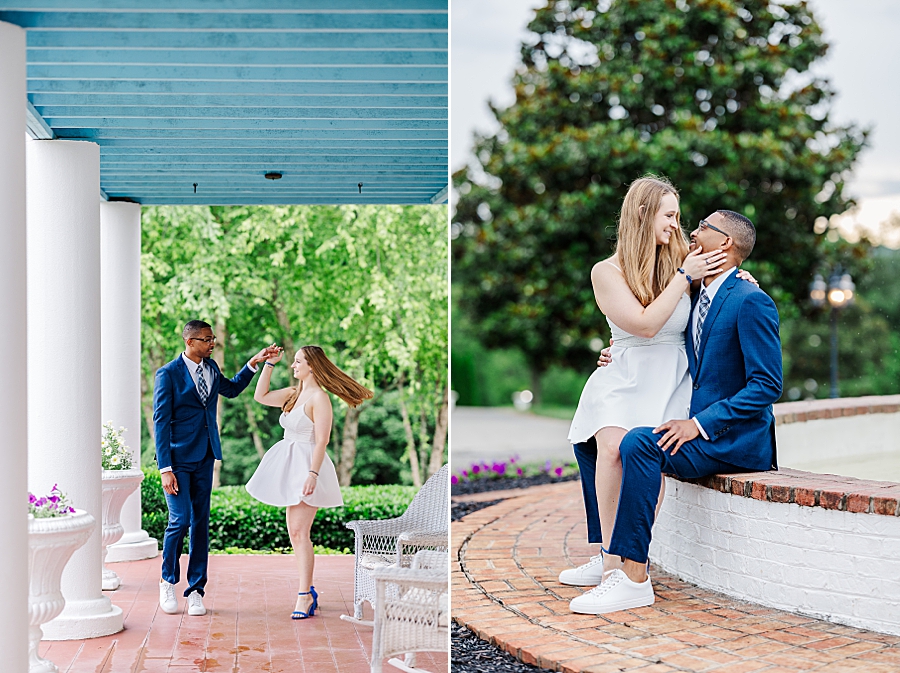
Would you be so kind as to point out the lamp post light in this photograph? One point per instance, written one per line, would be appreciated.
(839, 293)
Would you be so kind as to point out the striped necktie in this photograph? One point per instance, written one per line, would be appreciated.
(702, 309)
(201, 384)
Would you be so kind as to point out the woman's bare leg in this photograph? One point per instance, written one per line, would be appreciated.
(299, 522)
(609, 483)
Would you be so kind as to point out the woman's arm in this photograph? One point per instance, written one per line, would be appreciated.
(322, 417)
(619, 304)
(271, 398)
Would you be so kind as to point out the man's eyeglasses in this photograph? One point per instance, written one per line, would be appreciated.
(208, 340)
(706, 225)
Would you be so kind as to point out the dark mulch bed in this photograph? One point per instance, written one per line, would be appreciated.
(502, 483)
(470, 654)
(461, 509)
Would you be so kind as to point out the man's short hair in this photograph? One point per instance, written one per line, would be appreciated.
(742, 231)
(193, 329)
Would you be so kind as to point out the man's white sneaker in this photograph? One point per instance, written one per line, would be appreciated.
(195, 604)
(616, 593)
(588, 575)
(167, 600)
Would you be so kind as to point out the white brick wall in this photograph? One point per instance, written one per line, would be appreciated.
(833, 565)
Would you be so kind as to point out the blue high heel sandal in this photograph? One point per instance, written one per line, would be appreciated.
(299, 614)
(312, 590)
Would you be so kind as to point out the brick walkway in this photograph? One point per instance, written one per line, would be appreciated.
(505, 589)
(247, 627)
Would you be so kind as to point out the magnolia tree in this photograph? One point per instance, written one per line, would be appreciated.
(717, 95)
(368, 284)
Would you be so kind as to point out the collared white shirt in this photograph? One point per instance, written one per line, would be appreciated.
(711, 291)
(192, 368)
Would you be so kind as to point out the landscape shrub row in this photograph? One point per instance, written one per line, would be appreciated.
(237, 520)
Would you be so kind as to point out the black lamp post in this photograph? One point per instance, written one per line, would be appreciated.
(839, 295)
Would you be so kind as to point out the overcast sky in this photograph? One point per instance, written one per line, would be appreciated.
(863, 64)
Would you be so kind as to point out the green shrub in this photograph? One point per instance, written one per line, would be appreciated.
(237, 520)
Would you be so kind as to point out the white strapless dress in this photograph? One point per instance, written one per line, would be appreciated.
(646, 384)
(280, 476)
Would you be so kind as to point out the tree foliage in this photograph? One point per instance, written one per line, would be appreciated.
(715, 94)
(368, 284)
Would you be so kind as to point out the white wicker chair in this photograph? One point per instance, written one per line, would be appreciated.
(412, 610)
(386, 542)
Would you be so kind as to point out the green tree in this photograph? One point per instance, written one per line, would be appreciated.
(369, 284)
(715, 94)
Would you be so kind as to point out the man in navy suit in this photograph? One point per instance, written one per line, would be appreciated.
(734, 355)
(185, 398)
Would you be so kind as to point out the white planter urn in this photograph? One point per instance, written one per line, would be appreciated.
(117, 486)
(51, 543)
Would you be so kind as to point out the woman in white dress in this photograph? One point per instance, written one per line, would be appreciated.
(296, 473)
(644, 291)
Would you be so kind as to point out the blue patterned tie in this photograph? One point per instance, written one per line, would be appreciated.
(702, 309)
(201, 384)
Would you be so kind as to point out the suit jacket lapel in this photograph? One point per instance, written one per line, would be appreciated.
(189, 379)
(714, 308)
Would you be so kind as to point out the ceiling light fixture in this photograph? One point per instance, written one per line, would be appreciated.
(273, 176)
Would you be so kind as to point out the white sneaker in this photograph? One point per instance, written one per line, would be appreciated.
(195, 604)
(588, 575)
(167, 600)
(616, 593)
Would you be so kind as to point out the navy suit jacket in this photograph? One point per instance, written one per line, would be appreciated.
(185, 427)
(737, 375)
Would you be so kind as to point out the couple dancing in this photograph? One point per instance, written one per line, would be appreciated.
(295, 473)
(686, 387)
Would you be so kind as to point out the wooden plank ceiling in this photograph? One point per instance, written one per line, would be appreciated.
(328, 93)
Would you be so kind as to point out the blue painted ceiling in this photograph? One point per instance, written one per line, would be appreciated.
(220, 92)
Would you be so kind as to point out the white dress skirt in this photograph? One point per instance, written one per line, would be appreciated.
(280, 476)
(646, 384)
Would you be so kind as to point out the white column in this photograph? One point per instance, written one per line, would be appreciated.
(120, 359)
(13, 342)
(64, 424)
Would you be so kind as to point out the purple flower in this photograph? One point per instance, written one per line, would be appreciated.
(454, 479)
(475, 469)
(32, 498)
(548, 466)
(519, 471)
(558, 471)
(465, 474)
(54, 498)
(500, 468)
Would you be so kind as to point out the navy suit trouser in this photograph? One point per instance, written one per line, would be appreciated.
(586, 455)
(189, 511)
(643, 464)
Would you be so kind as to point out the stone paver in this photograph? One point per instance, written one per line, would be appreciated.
(505, 589)
(247, 627)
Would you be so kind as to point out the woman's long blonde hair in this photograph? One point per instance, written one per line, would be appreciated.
(330, 378)
(648, 267)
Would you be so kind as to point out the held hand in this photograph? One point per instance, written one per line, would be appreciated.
(169, 483)
(264, 354)
(309, 485)
(676, 434)
(699, 264)
(605, 357)
(275, 354)
(745, 275)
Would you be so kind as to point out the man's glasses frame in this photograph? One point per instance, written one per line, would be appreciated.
(706, 225)
(207, 340)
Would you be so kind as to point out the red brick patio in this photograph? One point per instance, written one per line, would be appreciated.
(247, 627)
(505, 589)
